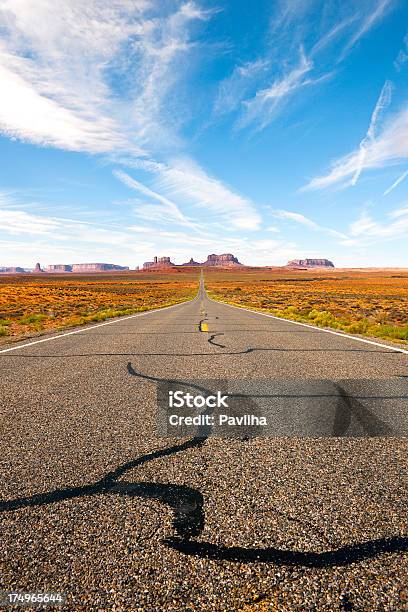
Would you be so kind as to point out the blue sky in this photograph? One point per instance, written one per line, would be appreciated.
(273, 130)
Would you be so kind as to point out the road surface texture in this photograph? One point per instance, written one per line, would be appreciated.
(96, 506)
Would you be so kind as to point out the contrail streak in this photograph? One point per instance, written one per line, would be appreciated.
(396, 183)
(382, 103)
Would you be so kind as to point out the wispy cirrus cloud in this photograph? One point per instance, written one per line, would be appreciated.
(233, 89)
(380, 107)
(21, 222)
(27, 236)
(402, 57)
(333, 33)
(296, 217)
(90, 77)
(395, 184)
(366, 230)
(306, 222)
(185, 182)
(368, 20)
(261, 88)
(264, 105)
(165, 211)
(389, 147)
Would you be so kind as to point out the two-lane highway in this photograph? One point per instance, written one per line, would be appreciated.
(97, 506)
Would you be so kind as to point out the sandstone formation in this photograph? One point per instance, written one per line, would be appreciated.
(310, 263)
(58, 268)
(158, 263)
(224, 260)
(37, 268)
(97, 267)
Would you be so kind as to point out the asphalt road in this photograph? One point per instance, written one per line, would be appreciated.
(99, 507)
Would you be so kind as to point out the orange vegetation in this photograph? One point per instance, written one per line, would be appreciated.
(35, 304)
(369, 302)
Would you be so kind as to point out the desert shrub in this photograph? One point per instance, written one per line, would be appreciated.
(368, 303)
(28, 305)
(32, 318)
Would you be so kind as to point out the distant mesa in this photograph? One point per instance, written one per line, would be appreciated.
(310, 263)
(12, 270)
(37, 269)
(97, 267)
(158, 263)
(224, 260)
(84, 267)
(58, 268)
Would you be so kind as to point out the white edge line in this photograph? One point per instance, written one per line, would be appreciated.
(328, 331)
(85, 329)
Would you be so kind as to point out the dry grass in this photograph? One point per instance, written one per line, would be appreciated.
(30, 305)
(372, 303)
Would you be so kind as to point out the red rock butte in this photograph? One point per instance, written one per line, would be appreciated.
(310, 263)
(226, 260)
(158, 263)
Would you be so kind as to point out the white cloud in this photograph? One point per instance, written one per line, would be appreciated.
(332, 34)
(396, 183)
(265, 103)
(363, 225)
(233, 89)
(141, 229)
(297, 217)
(302, 220)
(382, 103)
(390, 147)
(20, 222)
(402, 57)
(260, 88)
(399, 212)
(167, 210)
(50, 238)
(161, 64)
(367, 23)
(365, 228)
(266, 252)
(187, 183)
(29, 116)
(89, 76)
